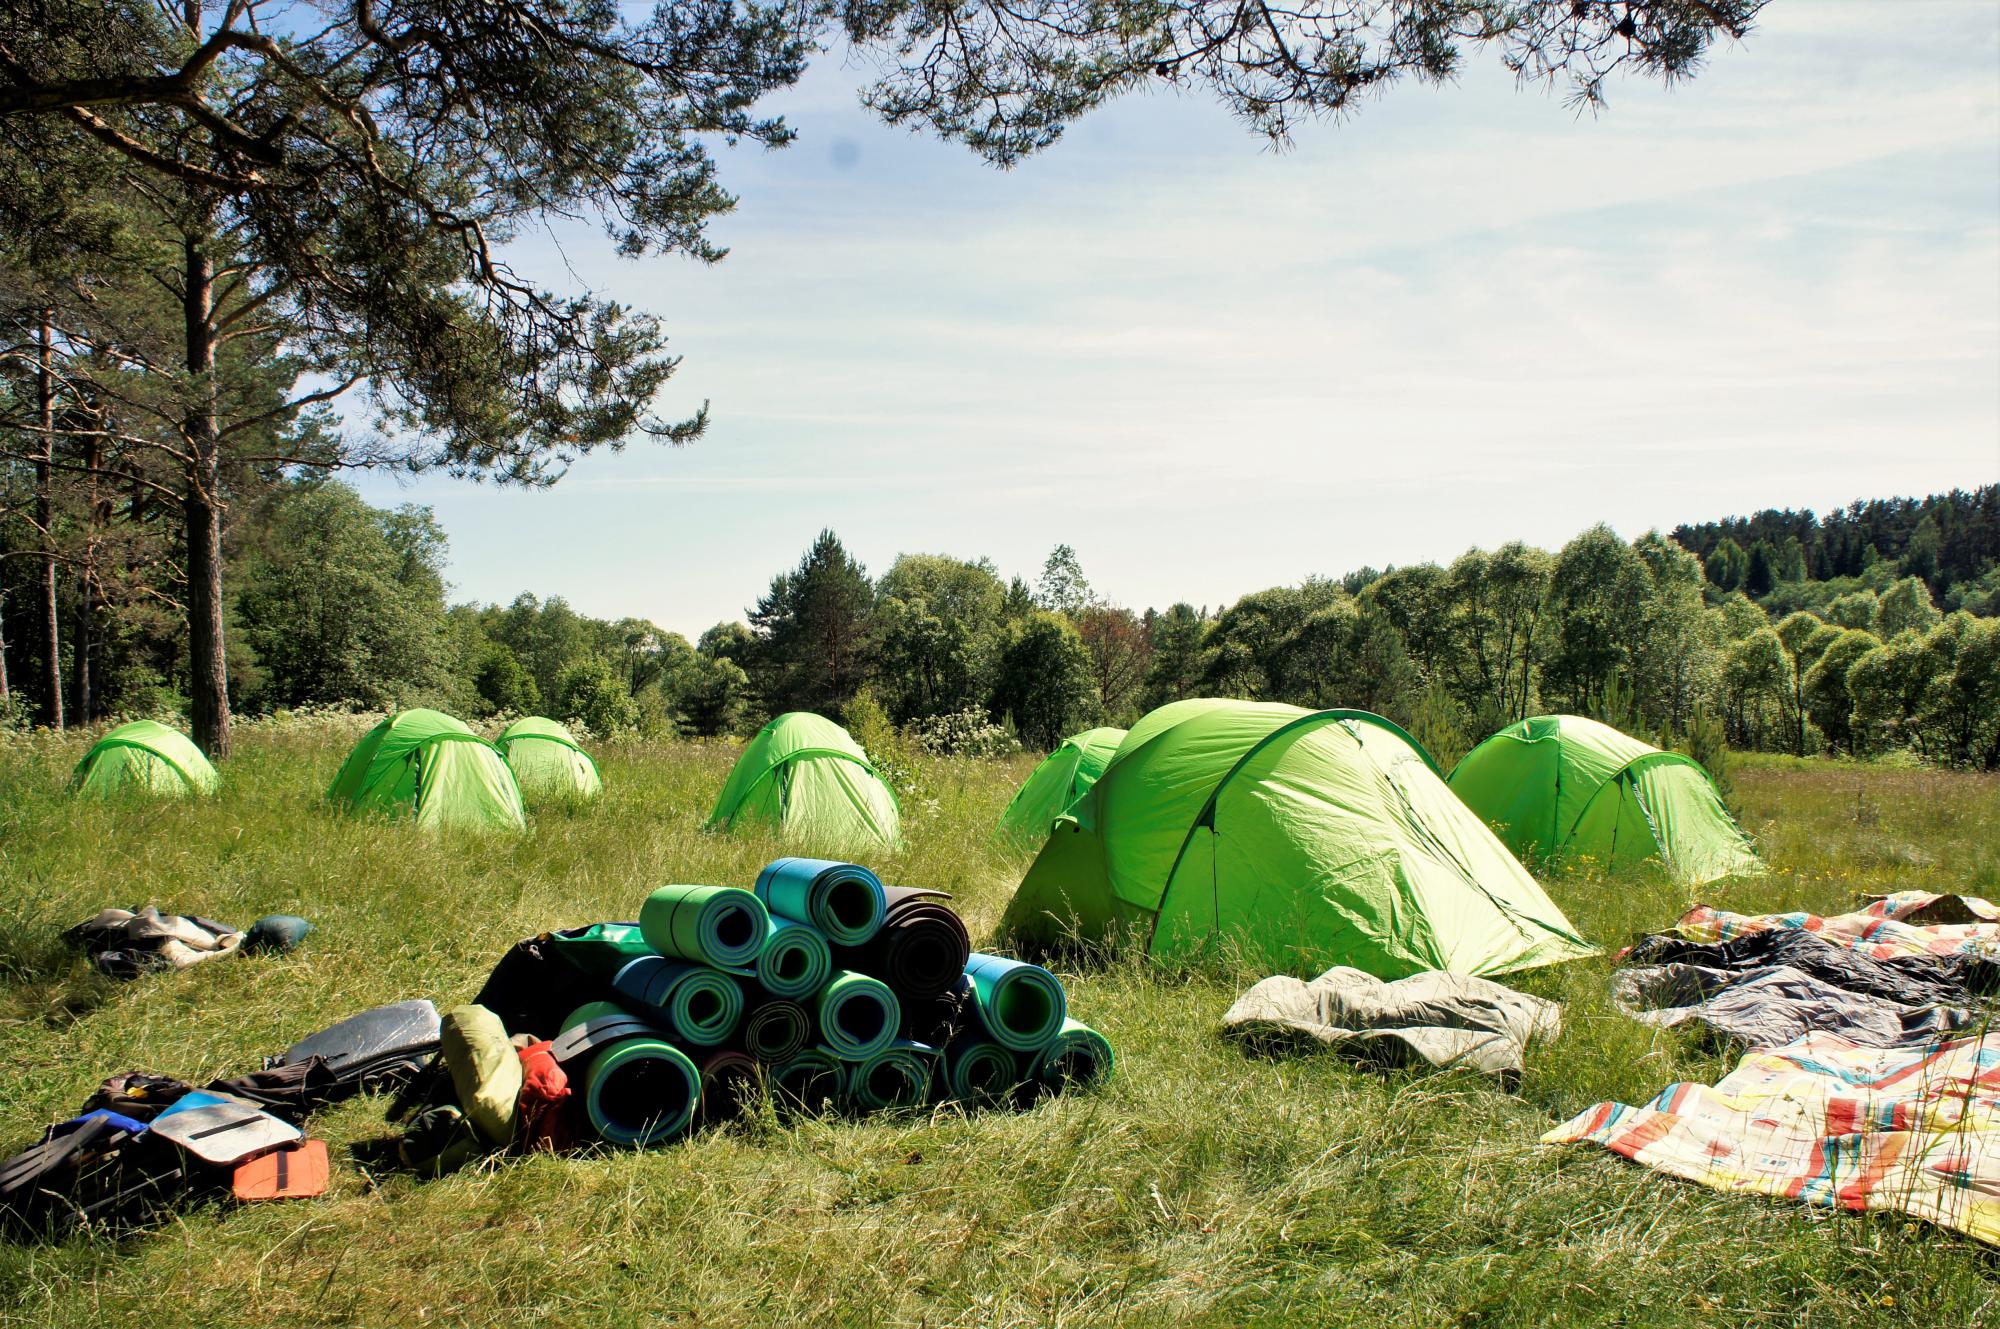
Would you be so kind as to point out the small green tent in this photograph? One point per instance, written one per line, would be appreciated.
(1064, 776)
(1561, 783)
(1310, 838)
(148, 757)
(806, 776)
(429, 765)
(547, 760)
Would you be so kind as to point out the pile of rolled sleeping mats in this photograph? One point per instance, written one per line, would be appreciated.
(823, 986)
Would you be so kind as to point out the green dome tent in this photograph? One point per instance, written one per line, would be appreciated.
(1064, 776)
(430, 765)
(148, 757)
(804, 775)
(547, 760)
(1311, 838)
(1561, 783)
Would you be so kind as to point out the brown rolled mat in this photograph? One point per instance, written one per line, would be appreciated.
(920, 950)
(730, 1081)
(937, 1020)
(776, 1030)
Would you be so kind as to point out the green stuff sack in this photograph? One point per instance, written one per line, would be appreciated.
(485, 1070)
(857, 1016)
(1021, 1006)
(713, 925)
(899, 1076)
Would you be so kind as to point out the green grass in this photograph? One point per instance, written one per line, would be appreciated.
(1203, 1186)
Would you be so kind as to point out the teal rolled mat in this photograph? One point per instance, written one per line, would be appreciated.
(699, 1005)
(637, 1091)
(776, 1030)
(1078, 1057)
(813, 1081)
(795, 961)
(899, 1076)
(1020, 1006)
(857, 1016)
(843, 900)
(713, 925)
(978, 1070)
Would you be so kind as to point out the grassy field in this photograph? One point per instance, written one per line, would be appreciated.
(1201, 1187)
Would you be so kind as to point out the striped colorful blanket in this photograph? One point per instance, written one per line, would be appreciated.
(1895, 925)
(1831, 1124)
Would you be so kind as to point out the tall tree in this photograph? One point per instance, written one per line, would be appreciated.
(812, 628)
(1179, 637)
(1044, 680)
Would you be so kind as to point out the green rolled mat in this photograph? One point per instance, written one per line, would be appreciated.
(699, 1005)
(1078, 1057)
(730, 1082)
(776, 1030)
(713, 925)
(638, 1091)
(794, 961)
(1021, 1006)
(843, 900)
(813, 1081)
(978, 1070)
(857, 1016)
(899, 1076)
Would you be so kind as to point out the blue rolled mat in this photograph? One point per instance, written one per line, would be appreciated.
(899, 1076)
(698, 1005)
(857, 1016)
(1078, 1057)
(812, 1081)
(844, 901)
(978, 1070)
(1021, 1006)
(713, 925)
(795, 961)
(637, 1091)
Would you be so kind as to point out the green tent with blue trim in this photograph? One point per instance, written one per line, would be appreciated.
(430, 767)
(1565, 785)
(1063, 777)
(1304, 838)
(144, 757)
(806, 778)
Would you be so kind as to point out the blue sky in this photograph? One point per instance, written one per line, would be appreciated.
(1464, 316)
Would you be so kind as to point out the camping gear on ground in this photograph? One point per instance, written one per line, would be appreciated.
(123, 943)
(1078, 1055)
(776, 1030)
(221, 1131)
(543, 1122)
(547, 761)
(292, 1091)
(978, 1070)
(535, 984)
(144, 757)
(845, 901)
(811, 1082)
(433, 768)
(1886, 928)
(1564, 785)
(277, 933)
(795, 960)
(485, 1070)
(1443, 1019)
(729, 1083)
(857, 1016)
(1055, 785)
(375, 1047)
(94, 1170)
(696, 1003)
(1020, 1006)
(293, 1172)
(806, 778)
(713, 925)
(439, 1141)
(921, 948)
(1823, 1121)
(638, 1090)
(1302, 837)
(898, 1076)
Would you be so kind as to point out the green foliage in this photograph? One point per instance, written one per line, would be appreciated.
(1045, 681)
(1906, 607)
(591, 697)
(1180, 638)
(1439, 725)
(1706, 740)
(1828, 702)
(812, 632)
(936, 623)
(968, 733)
(1063, 589)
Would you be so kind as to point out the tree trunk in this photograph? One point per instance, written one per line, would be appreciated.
(83, 639)
(208, 683)
(6, 692)
(45, 517)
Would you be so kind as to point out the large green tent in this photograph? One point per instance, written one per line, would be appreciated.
(1064, 776)
(807, 777)
(428, 765)
(147, 757)
(547, 760)
(1309, 838)
(1563, 784)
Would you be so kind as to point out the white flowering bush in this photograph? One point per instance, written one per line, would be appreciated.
(967, 733)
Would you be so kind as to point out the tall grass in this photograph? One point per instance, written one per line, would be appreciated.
(1202, 1186)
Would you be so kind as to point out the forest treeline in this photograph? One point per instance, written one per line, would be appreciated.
(1869, 630)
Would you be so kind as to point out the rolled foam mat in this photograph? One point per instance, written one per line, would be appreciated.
(698, 1005)
(1021, 1006)
(843, 900)
(813, 1081)
(939, 1020)
(978, 1070)
(794, 961)
(713, 925)
(729, 1084)
(776, 1030)
(921, 949)
(899, 1076)
(857, 1016)
(1078, 1057)
(637, 1091)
